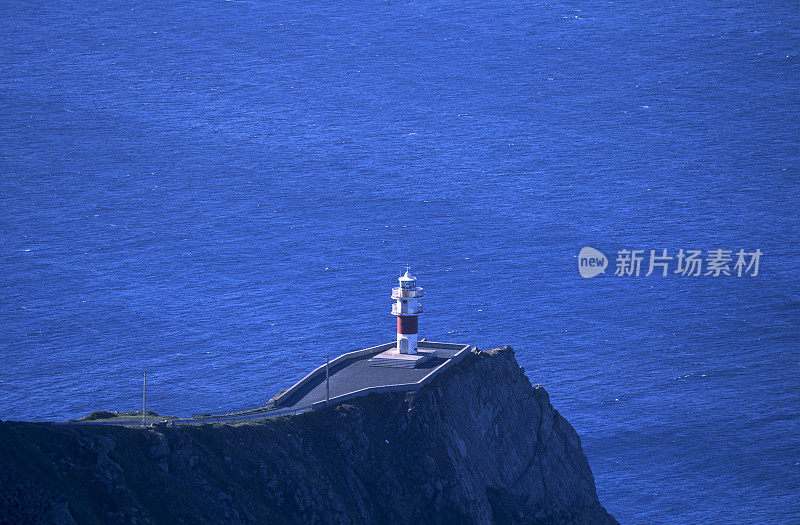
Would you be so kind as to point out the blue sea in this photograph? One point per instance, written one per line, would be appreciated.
(221, 193)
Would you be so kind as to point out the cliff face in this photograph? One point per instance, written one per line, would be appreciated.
(477, 445)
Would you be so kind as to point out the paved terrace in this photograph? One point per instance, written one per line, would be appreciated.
(357, 375)
(352, 375)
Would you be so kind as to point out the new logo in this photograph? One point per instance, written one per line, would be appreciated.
(591, 262)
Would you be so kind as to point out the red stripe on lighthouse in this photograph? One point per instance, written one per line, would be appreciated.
(407, 324)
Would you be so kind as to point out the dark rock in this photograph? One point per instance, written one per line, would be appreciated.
(477, 445)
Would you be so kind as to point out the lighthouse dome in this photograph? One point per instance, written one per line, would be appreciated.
(407, 281)
(407, 277)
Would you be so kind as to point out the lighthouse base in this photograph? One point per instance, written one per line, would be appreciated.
(395, 359)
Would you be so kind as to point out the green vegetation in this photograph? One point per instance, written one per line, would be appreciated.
(207, 415)
(105, 416)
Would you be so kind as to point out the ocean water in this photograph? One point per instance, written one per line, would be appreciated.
(220, 193)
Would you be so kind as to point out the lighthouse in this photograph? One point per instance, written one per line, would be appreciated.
(407, 309)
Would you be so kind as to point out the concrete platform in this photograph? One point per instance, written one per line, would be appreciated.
(395, 359)
(352, 375)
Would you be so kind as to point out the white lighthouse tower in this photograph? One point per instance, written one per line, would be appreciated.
(407, 309)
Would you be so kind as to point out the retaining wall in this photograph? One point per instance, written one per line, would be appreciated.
(321, 369)
(405, 387)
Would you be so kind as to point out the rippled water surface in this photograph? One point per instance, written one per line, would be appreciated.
(219, 193)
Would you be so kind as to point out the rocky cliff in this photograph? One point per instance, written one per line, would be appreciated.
(477, 445)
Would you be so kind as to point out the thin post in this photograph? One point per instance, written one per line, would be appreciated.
(327, 379)
(144, 394)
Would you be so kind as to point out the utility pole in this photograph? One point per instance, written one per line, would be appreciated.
(327, 379)
(144, 392)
